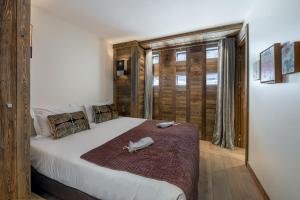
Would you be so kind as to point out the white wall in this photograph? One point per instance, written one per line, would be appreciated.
(69, 64)
(275, 109)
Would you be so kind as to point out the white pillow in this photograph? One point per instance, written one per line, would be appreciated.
(41, 123)
(35, 122)
(42, 127)
(89, 112)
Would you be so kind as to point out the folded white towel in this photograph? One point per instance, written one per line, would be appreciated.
(141, 144)
(165, 124)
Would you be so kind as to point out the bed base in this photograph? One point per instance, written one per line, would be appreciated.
(39, 183)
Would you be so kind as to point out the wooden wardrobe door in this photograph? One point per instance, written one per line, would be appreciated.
(141, 85)
(196, 90)
(181, 92)
(167, 73)
(129, 89)
(15, 117)
(122, 84)
(211, 99)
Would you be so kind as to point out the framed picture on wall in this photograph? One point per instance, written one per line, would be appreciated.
(290, 53)
(270, 65)
(256, 71)
(30, 35)
(121, 67)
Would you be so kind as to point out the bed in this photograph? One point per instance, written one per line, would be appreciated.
(59, 160)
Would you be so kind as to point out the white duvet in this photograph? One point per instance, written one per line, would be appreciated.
(60, 160)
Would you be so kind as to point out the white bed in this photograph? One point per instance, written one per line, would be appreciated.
(60, 160)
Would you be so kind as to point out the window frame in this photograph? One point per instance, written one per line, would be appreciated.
(176, 80)
(155, 55)
(216, 48)
(181, 52)
(155, 78)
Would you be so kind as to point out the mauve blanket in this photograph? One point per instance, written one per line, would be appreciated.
(174, 156)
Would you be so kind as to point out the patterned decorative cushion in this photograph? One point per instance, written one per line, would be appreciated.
(114, 112)
(68, 123)
(105, 113)
(101, 113)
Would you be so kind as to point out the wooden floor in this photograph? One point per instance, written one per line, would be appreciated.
(36, 197)
(223, 175)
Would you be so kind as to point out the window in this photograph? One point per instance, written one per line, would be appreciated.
(212, 52)
(156, 81)
(155, 59)
(212, 79)
(180, 56)
(180, 80)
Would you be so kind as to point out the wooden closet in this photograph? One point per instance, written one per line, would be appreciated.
(15, 120)
(181, 103)
(129, 89)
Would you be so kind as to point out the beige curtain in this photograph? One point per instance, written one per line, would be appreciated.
(224, 133)
(148, 85)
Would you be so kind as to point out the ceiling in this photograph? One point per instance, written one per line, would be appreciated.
(124, 20)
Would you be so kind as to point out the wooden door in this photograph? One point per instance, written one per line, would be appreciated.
(15, 117)
(241, 98)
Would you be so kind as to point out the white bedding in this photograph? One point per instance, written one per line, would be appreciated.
(60, 160)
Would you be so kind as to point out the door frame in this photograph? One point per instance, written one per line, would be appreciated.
(243, 39)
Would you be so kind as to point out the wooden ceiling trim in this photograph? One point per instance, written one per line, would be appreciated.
(230, 30)
(208, 44)
(126, 44)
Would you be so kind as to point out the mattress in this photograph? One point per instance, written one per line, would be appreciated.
(60, 160)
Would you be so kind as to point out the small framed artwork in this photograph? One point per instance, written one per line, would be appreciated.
(30, 35)
(121, 67)
(290, 53)
(270, 64)
(256, 71)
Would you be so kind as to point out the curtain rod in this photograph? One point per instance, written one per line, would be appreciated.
(186, 46)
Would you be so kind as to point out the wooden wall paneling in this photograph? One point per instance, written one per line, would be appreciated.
(188, 86)
(8, 144)
(141, 86)
(129, 89)
(180, 95)
(126, 44)
(211, 99)
(14, 82)
(167, 101)
(156, 111)
(196, 62)
(123, 83)
(134, 81)
(23, 99)
(115, 78)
